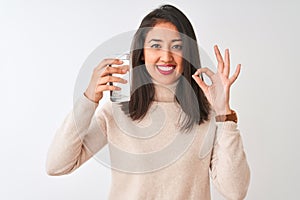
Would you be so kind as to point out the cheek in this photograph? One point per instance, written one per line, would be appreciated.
(178, 59)
(150, 56)
(148, 59)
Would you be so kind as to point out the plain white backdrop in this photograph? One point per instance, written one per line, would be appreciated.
(43, 45)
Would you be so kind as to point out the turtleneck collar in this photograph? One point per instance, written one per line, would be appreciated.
(165, 93)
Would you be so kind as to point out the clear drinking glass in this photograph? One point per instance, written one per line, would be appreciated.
(122, 95)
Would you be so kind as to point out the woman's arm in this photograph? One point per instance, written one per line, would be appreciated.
(229, 168)
(82, 134)
(230, 172)
(76, 140)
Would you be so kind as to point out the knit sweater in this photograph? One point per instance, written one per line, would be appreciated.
(151, 158)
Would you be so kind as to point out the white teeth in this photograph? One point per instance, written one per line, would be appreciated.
(163, 68)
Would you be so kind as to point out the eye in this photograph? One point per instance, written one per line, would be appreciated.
(155, 46)
(177, 47)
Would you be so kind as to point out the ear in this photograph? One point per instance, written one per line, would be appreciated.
(143, 58)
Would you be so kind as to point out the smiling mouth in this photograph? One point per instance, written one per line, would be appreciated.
(166, 69)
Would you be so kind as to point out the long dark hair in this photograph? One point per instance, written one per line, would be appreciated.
(188, 94)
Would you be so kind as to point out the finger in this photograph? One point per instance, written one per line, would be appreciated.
(108, 61)
(205, 70)
(123, 67)
(219, 59)
(107, 79)
(227, 63)
(102, 88)
(236, 74)
(115, 70)
(200, 82)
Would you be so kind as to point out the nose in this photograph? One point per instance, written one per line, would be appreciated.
(166, 55)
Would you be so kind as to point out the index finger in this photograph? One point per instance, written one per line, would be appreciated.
(108, 61)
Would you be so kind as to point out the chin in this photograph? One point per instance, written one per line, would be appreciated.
(164, 81)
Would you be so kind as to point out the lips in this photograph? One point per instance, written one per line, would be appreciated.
(166, 69)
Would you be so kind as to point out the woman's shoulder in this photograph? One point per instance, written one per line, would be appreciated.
(110, 109)
(104, 107)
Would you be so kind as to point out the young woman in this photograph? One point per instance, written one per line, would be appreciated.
(174, 134)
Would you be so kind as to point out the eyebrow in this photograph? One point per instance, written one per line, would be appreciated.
(158, 40)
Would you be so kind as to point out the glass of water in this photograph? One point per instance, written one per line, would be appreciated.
(122, 95)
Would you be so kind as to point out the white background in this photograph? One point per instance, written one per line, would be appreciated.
(43, 45)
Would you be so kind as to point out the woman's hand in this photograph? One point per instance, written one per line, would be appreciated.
(218, 92)
(102, 76)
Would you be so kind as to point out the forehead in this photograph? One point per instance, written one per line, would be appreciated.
(163, 30)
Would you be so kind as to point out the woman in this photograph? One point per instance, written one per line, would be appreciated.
(174, 134)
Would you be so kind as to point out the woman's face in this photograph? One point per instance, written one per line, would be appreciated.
(163, 53)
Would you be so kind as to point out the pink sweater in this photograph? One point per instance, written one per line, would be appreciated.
(151, 159)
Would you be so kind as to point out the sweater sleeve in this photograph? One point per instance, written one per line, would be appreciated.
(230, 172)
(79, 137)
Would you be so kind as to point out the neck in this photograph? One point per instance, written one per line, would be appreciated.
(165, 93)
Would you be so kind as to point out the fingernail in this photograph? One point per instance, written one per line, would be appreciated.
(124, 70)
(117, 88)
